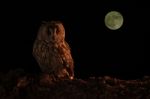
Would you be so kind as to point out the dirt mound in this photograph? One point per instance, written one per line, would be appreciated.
(18, 85)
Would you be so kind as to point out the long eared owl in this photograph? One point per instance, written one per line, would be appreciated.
(52, 52)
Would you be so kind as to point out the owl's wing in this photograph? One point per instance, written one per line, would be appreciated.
(67, 45)
(68, 53)
(68, 60)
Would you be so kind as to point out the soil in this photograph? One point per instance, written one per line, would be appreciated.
(20, 85)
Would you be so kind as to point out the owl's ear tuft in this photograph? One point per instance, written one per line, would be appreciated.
(55, 22)
(52, 22)
(44, 22)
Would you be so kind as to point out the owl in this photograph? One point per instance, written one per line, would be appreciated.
(52, 52)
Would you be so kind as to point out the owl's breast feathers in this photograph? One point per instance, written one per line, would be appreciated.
(51, 56)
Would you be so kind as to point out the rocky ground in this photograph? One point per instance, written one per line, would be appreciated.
(19, 85)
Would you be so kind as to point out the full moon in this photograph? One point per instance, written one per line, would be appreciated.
(113, 20)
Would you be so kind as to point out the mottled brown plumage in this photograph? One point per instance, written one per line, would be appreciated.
(52, 51)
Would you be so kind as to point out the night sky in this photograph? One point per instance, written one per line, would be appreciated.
(96, 49)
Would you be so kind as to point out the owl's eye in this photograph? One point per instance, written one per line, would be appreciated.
(57, 30)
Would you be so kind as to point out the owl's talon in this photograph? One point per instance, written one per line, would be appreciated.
(71, 77)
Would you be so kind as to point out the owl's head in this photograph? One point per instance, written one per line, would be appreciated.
(52, 31)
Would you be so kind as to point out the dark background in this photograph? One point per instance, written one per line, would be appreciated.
(96, 50)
